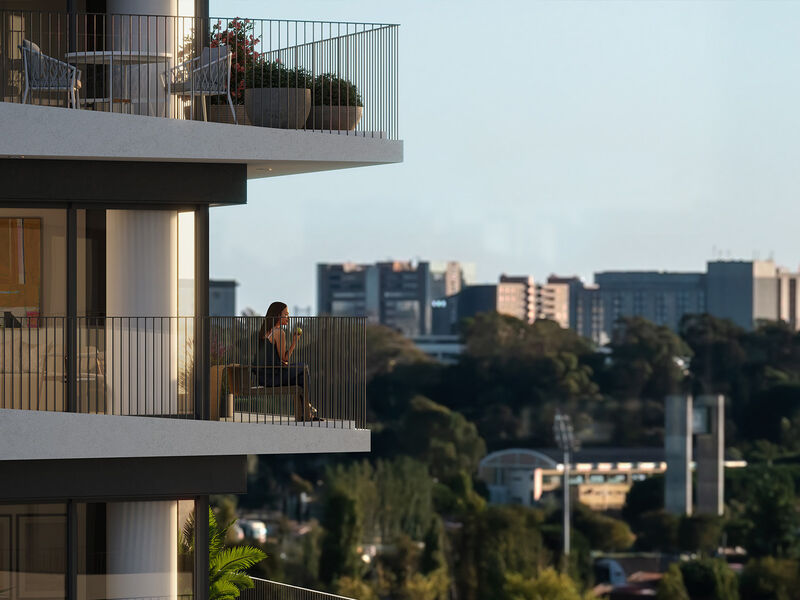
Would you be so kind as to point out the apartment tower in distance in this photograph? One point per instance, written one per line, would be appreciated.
(398, 294)
(123, 403)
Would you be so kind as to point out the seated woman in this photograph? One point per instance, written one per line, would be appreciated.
(271, 361)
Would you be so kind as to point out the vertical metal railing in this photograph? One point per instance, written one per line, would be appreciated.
(335, 77)
(148, 366)
(264, 589)
(296, 370)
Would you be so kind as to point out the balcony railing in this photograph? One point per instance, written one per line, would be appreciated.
(265, 589)
(334, 77)
(181, 367)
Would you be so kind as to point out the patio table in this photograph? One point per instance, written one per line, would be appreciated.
(123, 58)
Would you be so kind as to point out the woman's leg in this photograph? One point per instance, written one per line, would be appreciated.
(295, 375)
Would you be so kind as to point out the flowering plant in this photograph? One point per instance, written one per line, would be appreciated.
(238, 36)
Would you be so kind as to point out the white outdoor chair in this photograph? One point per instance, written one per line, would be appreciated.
(207, 75)
(47, 74)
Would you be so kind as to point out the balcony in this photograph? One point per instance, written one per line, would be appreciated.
(182, 386)
(300, 91)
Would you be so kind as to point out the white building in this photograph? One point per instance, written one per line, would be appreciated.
(123, 405)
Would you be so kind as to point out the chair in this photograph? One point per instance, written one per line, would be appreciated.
(207, 75)
(47, 74)
(253, 397)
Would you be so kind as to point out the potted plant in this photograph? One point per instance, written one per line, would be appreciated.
(337, 104)
(277, 96)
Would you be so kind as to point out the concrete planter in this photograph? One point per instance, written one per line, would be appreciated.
(285, 108)
(221, 113)
(335, 118)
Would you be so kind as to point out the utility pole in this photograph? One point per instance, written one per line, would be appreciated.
(562, 429)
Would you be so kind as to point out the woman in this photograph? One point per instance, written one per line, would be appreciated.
(271, 362)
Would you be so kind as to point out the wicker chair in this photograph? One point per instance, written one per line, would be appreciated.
(47, 74)
(207, 75)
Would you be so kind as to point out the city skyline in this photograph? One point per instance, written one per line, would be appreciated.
(602, 157)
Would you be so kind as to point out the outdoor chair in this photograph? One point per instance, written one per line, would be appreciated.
(47, 74)
(243, 394)
(207, 75)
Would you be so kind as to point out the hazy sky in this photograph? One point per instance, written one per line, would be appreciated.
(540, 137)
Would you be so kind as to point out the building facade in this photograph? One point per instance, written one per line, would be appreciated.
(402, 295)
(123, 403)
(745, 292)
(222, 297)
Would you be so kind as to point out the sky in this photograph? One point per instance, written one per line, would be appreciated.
(547, 137)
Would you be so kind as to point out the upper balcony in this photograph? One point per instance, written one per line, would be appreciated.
(280, 96)
(117, 387)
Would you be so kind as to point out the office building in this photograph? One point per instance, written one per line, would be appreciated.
(749, 291)
(123, 403)
(222, 297)
(402, 295)
(396, 294)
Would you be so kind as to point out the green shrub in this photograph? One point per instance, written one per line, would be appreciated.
(330, 90)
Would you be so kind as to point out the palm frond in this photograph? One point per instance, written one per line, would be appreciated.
(234, 560)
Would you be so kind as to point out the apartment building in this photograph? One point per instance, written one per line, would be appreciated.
(399, 294)
(123, 403)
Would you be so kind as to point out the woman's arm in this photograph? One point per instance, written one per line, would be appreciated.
(280, 344)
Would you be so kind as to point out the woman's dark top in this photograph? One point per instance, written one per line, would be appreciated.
(266, 355)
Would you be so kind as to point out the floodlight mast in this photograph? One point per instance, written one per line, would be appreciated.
(562, 428)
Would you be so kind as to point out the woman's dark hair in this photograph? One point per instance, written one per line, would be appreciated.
(272, 318)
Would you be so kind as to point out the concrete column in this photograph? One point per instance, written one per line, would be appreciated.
(142, 546)
(149, 26)
(142, 353)
(678, 451)
(710, 457)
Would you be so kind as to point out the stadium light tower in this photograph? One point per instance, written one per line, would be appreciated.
(562, 429)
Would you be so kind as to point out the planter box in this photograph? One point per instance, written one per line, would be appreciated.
(221, 113)
(334, 118)
(285, 108)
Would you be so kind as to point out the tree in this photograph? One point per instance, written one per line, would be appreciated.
(603, 532)
(766, 499)
(657, 530)
(644, 496)
(699, 533)
(709, 579)
(226, 565)
(548, 585)
(646, 360)
(389, 349)
(343, 527)
(441, 438)
(770, 579)
(671, 586)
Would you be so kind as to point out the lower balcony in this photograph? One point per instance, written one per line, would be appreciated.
(180, 385)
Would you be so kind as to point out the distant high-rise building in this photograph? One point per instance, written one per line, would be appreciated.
(448, 277)
(660, 297)
(552, 302)
(516, 296)
(348, 290)
(396, 294)
(222, 297)
(747, 291)
(742, 291)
